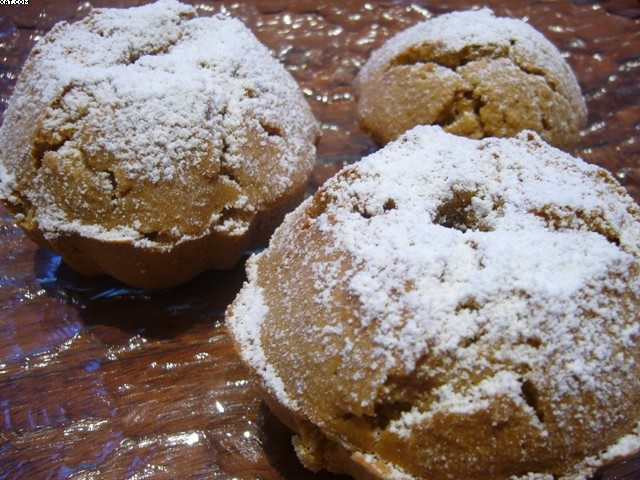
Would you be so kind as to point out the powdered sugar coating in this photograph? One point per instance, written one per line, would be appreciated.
(457, 278)
(453, 32)
(250, 303)
(152, 97)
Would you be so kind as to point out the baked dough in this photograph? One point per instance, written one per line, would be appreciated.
(151, 145)
(452, 308)
(473, 74)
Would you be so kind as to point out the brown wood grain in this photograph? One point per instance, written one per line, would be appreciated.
(100, 381)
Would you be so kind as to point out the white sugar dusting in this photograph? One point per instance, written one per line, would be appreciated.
(157, 92)
(246, 315)
(6, 180)
(461, 247)
(391, 472)
(503, 384)
(558, 271)
(455, 31)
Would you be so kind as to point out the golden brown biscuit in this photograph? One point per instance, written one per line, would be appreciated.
(473, 74)
(452, 308)
(151, 145)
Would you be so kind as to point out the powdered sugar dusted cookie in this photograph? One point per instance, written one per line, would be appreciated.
(473, 74)
(452, 308)
(150, 144)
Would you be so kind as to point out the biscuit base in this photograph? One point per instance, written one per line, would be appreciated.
(164, 268)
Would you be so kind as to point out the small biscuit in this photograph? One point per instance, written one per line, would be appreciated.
(150, 145)
(473, 74)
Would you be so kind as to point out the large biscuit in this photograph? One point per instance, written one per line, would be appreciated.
(452, 308)
(151, 145)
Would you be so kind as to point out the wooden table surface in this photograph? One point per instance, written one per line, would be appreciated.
(101, 381)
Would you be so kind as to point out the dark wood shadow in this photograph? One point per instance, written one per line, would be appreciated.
(157, 313)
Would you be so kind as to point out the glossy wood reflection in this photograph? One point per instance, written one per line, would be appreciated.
(101, 381)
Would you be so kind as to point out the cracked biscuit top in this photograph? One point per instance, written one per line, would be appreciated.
(453, 308)
(473, 74)
(151, 127)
